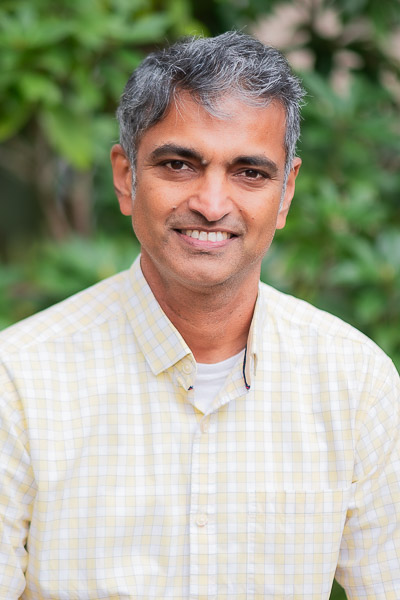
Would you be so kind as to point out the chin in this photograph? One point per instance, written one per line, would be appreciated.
(203, 280)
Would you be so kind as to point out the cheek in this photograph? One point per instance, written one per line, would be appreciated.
(153, 201)
(142, 221)
(262, 223)
(263, 236)
(143, 210)
(149, 216)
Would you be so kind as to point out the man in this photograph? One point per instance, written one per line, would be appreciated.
(181, 430)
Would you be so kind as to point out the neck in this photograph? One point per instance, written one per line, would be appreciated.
(214, 322)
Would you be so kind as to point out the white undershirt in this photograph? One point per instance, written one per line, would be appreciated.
(209, 380)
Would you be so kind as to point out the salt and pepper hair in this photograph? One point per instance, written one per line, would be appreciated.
(231, 64)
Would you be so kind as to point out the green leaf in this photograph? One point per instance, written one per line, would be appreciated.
(63, 269)
(35, 87)
(85, 96)
(125, 7)
(388, 243)
(370, 305)
(27, 29)
(105, 134)
(14, 113)
(143, 30)
(70, 135)
(56, 62)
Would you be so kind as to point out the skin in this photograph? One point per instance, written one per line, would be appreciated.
(198, 172)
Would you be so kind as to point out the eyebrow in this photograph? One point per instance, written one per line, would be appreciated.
(184, 151)
(258, 160)
(254, 160)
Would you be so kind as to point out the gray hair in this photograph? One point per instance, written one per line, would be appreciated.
(208, 68)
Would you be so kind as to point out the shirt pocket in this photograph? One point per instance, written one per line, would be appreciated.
(294, 540)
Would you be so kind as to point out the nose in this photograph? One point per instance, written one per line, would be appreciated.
(211, 198)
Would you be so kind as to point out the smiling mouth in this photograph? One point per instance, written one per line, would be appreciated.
(207, 236)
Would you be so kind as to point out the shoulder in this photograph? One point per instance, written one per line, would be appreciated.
(311, 328)
(325, 355)
(85, 310)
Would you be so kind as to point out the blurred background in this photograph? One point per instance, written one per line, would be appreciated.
(63, 66)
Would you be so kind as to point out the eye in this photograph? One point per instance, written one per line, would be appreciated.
(253, 174)
(176, 165)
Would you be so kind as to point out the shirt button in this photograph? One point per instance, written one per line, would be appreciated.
(204, 426)
(201, 520)
(187, 367)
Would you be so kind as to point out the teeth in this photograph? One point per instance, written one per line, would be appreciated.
(212, 236)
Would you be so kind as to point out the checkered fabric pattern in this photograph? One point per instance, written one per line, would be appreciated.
(113, 485)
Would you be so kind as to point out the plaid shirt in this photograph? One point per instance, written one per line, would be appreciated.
(113, 485)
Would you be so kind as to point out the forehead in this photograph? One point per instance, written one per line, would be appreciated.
(239, 128)
(224, 109)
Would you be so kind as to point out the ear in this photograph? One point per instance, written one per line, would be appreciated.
(289, 193)
(122, 176)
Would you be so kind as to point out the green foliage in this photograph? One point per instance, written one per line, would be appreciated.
(64, 65)
(54, 272)
(223, 15)
(341, 246)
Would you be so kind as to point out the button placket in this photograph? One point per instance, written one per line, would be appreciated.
(202, 509)
(205, 424)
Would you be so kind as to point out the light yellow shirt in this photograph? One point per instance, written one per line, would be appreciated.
(114, 486)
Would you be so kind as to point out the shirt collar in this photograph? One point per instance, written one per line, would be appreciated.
(161, 343)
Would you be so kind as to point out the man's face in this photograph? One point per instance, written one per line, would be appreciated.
(208, 192)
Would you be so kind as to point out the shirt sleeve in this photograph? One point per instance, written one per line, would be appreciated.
(369, 559)
(17, 491)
